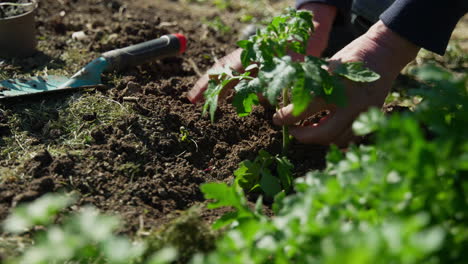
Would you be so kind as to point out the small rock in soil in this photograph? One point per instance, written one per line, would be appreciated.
(79, 36)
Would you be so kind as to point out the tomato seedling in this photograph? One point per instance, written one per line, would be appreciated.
(271, 72)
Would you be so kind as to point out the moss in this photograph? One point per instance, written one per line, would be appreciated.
(188, 233)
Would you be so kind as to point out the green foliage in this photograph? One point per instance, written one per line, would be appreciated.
(368, 122)
(355, 71)
(187, 235)
(218, 25)
(252, 176)
(83, 237)
(42, 212)
(267, 53)
(402, 200)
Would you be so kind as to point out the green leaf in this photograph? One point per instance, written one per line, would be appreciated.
(368, 122)
(338, 94)
(432, 73)
(223, 195)
(269, 184)
(164, 256)
(301, 93)
(245, 98)
(248, 54)
(247, 175)
(40, 212)
(279, 78)
(211, 98)
(285, 168)
(355, 71)
(225, 220)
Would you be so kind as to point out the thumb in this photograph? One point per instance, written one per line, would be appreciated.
(195, 95)
(327, 131)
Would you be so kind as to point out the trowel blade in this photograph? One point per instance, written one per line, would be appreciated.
(30, 85)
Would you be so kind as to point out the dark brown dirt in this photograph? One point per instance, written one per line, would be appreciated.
(139, 168)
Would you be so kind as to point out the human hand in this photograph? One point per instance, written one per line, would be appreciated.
(323, 20)
(384, 52)
(195, 95)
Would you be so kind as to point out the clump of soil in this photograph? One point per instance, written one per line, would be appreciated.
(11, 8)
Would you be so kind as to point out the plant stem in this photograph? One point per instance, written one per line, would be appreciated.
(285, 128)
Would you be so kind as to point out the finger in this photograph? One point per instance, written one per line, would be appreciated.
(227, 89)
(195, 95)
(325, 132)
(285, 116)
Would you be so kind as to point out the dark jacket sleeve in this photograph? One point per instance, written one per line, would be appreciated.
(344, 7)
(426, 23)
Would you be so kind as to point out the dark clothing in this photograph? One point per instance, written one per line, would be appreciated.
(426, 23)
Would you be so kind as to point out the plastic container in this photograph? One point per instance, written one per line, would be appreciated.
(18, 33)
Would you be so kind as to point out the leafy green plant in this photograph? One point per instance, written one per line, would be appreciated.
(255, 175)
(401, 200)
(184, 136)
(82, 237)
(218, 25)
(270, 71)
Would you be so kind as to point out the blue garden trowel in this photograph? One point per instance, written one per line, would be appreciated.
(90, 75)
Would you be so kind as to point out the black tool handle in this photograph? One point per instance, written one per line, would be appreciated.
(165, 46)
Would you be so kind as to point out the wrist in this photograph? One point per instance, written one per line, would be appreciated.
(323, 18)
(392, 49)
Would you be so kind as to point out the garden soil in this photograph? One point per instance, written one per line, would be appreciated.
(139, 168)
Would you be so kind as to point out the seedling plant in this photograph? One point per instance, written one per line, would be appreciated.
(271, 72)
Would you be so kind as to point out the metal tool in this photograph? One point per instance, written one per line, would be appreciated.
(90, 75)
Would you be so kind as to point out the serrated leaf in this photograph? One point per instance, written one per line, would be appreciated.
(245, 98)
(279, 78)
(355, 71)
(247, 175)
(223, 195)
